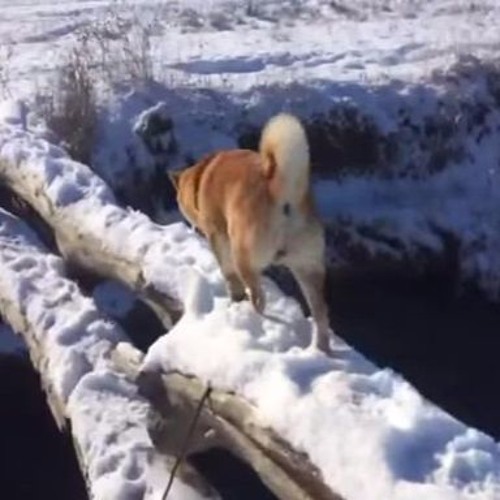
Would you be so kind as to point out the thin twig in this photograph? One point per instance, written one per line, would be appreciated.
(185, 445)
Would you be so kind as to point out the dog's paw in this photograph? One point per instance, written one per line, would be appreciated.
(238, 296)
(258, 300)
(321, 341)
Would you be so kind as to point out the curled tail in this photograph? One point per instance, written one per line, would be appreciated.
(285, 156)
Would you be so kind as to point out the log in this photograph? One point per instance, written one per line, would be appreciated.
(36, 171)
(69, 343)
(227, 421)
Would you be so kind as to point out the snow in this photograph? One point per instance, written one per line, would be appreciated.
(225, 44)
(379, 57)
(222, 63)
(353, 419)
(109, 421)
(369, 431)
(108, 417)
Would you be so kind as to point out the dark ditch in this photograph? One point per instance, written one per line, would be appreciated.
(36, 460)
(230, 476)
(446, 347)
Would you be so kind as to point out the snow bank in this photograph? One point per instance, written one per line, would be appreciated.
(218, 60)
(462, 202)
(73, 340)
(369, 432)
(435, 145)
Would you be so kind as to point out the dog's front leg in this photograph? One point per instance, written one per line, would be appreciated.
(250, 277)
(222, 251)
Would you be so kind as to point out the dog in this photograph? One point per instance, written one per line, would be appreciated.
(256, 209)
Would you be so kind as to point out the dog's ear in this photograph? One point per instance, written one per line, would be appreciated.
(174, 176)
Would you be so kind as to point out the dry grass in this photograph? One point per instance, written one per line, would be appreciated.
(70, 109)
(121, 44)
(6, 53)
(114, 51)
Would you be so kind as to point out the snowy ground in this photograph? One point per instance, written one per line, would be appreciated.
(238, 45)
(353, 419)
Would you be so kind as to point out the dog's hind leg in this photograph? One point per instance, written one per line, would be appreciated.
(222, 251)
(306, 262)
(312, 283)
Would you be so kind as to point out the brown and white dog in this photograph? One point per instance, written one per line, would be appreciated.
(256, 209)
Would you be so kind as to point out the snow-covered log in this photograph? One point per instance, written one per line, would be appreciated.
(69, 343)
(227, 420)
(90, 228)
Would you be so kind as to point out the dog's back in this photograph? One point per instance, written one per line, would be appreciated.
(235, 198)
(252, 197)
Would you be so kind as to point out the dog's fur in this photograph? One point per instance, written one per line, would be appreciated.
(255, 209)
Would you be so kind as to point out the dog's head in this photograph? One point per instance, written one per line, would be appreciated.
(186, 187)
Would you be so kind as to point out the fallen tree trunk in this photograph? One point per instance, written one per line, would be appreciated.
(227, 421)
(69, 343)
(38, 172)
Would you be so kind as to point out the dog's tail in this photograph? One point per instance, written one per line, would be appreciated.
(285, 156)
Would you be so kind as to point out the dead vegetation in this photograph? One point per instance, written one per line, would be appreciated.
(343, 140)
(115, 51)
(121, 45)
(6, 53)
(70, 111)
